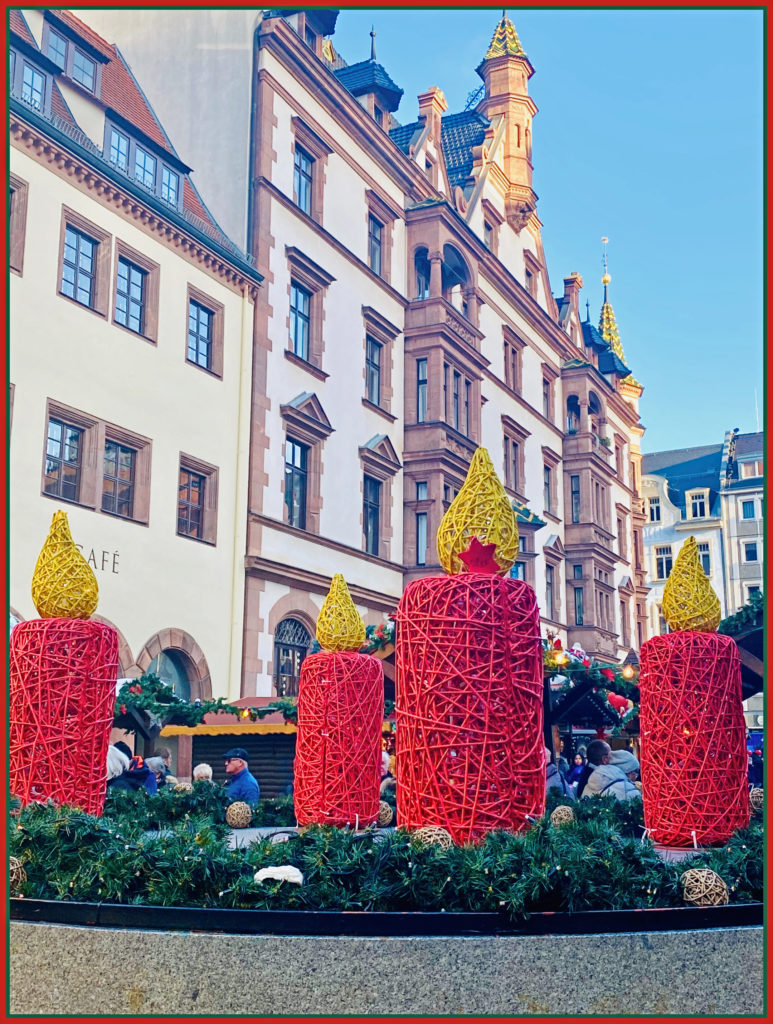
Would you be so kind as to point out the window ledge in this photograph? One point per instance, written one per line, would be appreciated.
(552, 516)
(197, 540)
(306, 365)
(189, 362)
(144, 337)
(69, 501)
(377, 408)
(81, 305)
(124, 519)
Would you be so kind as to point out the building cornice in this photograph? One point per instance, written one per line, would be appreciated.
(314, 582)
(92, 174)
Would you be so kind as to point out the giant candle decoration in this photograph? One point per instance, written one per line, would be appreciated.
(340, 713)
(693, 750)
(63, 678)
(469, 743)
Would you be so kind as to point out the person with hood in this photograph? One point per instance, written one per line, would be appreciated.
(136, 776)
(553, 777)
(117, 763)
(615, 778)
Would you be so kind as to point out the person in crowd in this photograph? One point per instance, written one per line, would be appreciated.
(575, 772)
(561, 762)
(157, 766)
(137, 776)
(756, 769)
(240, 785)
(117, 763)
(385, 758)
(166, 756)
(598, 754)
(202, 773)
(615, 777)
(125, 749)
(553, 777)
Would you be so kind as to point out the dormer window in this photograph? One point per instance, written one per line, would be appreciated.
(144, 168)
(80, 63)
(33, 88)
(310, 38)
(84, 71)
(488, 234)
(119, 149)
(170, 186)
(136, 160)
(57, 48)
(378, 114)
(697, 505)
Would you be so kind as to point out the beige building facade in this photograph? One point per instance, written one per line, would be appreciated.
(406, 316)
(131, 334)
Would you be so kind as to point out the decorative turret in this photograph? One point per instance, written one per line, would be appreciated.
(506, 71)
(608, 324)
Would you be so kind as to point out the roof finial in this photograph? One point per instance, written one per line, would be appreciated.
(587, 310)
(606, 278)
(372, 42)
(505, 41)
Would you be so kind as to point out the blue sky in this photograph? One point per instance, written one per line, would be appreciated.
(649, 132)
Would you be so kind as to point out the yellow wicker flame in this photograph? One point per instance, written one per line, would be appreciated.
(340, 626)
(63, 585)
(689, 601)
(481, 509)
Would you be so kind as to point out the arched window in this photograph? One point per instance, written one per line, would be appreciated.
(291, 645)
(421, 265)
(572, 414)
(170, 668)
(455, 279)
(595, 411)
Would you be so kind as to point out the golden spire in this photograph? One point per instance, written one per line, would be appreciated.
(505, 41)
(689, 600)
(63, 585)
(608, 324)
(480, 510)
(340, 626)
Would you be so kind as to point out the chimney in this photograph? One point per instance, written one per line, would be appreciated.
(572, 286)
(432, 104)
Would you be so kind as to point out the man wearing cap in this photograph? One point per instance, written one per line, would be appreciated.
(241, 785)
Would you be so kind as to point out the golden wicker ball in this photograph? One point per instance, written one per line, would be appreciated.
(385, 813)
(17, 873)
(757, 799)
(562, 815)
(704, 888)
(434, 834)
(183, 787)
(238, 814)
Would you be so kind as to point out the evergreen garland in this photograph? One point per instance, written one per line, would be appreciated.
(595, 863)
(749, 616)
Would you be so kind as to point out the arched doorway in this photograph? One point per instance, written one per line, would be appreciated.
(291, 645)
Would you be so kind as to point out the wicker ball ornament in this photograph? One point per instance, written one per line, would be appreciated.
(704, 888)
(689, 601)
(433, 835)
(238, 814)
(340, 626)
(481, 509)
(18, 876)
(385, 814)
(63, 583)
(183, 787)
(757, 799)
(562, 815)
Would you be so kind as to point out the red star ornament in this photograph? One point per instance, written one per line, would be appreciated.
(480, 557)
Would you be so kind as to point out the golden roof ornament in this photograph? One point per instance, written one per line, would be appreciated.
(608, 324)
(505, 41)
(63, 584)
(689, 600)
(340, 626)
(482, 511)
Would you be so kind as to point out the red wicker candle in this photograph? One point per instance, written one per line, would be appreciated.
(340, 713)
(469, 741)
(63, 672)
(693, 748)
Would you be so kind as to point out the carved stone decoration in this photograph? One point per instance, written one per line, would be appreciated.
(518, 210)
(459, 201)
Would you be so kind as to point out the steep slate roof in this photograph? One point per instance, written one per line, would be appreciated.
(687, 469)
(749, 444)
(460, 132)
(403, 135)
(366, 77)
(18, 25)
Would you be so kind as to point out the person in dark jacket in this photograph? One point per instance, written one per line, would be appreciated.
(756, 770)
(241, 785)
(575, 772)
(598, 754)
(553, 777)
(136, 776)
